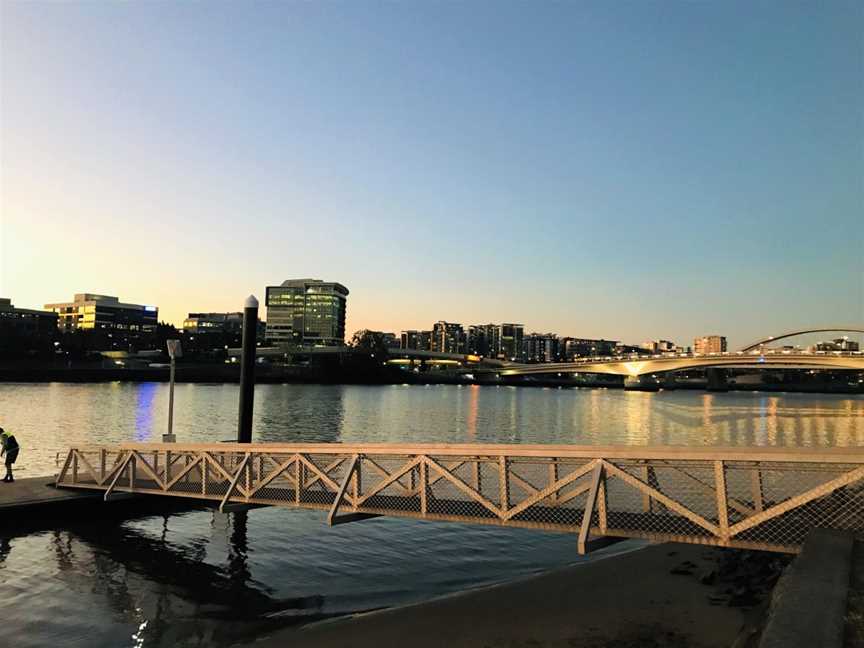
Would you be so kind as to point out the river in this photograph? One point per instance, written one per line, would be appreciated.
(202, 578)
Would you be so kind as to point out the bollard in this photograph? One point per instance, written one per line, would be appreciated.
(247, 370)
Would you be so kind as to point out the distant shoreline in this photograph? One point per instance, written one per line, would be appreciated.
(304, 375)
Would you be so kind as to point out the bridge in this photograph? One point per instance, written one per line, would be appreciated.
(641, 366)
(753, 355)
(754, 498)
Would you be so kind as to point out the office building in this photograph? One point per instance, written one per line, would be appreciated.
(24, 322)
(448, 337)
(307, 312)
(90, 312)
(709, 344)
(204, 323)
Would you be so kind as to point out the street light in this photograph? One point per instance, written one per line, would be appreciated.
(174, 351)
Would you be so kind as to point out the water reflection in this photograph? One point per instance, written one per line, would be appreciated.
(109, 413)
(144, 411)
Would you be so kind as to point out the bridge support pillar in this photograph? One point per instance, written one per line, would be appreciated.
(641, 383)
(718, 380)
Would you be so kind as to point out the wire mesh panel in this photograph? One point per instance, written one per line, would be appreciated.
(729, 497)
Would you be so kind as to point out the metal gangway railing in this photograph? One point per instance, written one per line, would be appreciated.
(754, 498)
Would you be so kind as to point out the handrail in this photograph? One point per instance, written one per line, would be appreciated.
(731, 453)
(757, 498)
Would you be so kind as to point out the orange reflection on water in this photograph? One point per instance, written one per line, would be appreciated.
(473, 409)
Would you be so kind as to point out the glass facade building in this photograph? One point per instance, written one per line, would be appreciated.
(88, 311)
(308, 312)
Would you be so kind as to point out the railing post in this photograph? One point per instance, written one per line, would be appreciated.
(132, 474)
(355, 483)
(167, 468)
(298, 479)
(424, 483)
(102, 461)
(722, 506)
(503, 483)
(74, 466)
(553, 477)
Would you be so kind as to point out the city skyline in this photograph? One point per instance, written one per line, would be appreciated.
(628, 175)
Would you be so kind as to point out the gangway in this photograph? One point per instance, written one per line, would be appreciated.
(745, 497)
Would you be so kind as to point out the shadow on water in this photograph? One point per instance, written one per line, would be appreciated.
(190, 599)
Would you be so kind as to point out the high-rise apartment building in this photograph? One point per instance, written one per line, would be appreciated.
(307, 312)
(88, 311)
(416, 340)
(540, 347)
(483, 340)
(709, 344)
(448, 337)
(510, 341)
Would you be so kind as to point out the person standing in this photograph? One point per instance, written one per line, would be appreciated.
(10, 449)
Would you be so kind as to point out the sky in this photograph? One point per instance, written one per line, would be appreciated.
(627, 170)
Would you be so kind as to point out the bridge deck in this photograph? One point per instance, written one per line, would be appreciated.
(763, 498)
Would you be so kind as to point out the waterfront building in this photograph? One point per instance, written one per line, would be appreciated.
(416, 340)
(587, 348)
(448, 337)
(838, 344)
(540, 347)
(91, 312)
(510, 341)
(484, 340)
(307, 312)
(204, 323)
(24, 322)
(629, 349)
(659, 346)
(709, 344)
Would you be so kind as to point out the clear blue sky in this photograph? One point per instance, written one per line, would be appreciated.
(623, 169)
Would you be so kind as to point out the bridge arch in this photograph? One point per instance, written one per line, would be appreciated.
(833, 329)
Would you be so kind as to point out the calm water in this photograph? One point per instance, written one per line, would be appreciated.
(202, 578)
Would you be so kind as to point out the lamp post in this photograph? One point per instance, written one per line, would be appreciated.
(247, 370)
(174, 351)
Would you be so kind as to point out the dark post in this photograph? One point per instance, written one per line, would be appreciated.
(247, 370)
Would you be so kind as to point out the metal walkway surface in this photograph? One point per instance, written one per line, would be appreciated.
(754, 498)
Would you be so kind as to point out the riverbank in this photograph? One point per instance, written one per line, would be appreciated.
(278, 374)
(668, 595)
